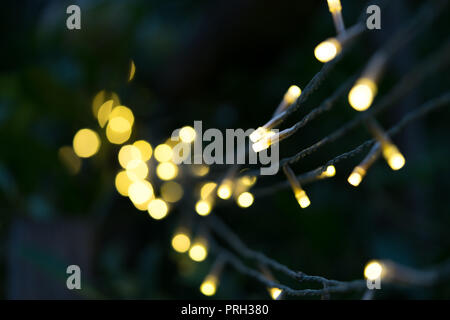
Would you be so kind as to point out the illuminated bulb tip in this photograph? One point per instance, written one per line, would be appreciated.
(209, 286)
(145, 149)
(275, 293)
(187, 134)
(334, 5)
(117, 137)
(128, 153)
(166, 171)
(137, 170)
(356, 176)
(207, 189)
(140, 191)
(157, 209)
(292, 94)
(203, 207)
(373, 270)
(121, 119)
(393, 156)
(261, 145)
(245, 200)
(248, 180)
(171, 191)
(257, 134)
(397, 161)
(122, 183)
(200, 170)
(163, 153)
(224, 191)
(327, 50)
(362, 94)
(198, 252)
(302, 199)
(181, 242)
(86, 143)
(330, 171)
(354, 179)
(142, 206)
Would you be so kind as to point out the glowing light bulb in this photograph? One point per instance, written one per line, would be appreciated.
(198, 252)
(128, 153)
(275, 293)
(224, 190)
(187, 134)
(140, 191)
(327, 50)
(302, 198)
(257, 134)
(203, 207)
(104, 111)
(248, 180)
(163, 153)
(181, 242)
(356, 176)
(122, 183)
(119, 124)
(373, 270)
(334, 5)
(362, 94)
(209, 285)
(100, 98)
(245, 200)
(329, 172)
(166, 171)
(200, 170)
(142, 206)
(86, 143)
(393, 156)
(121, 119)
(292, 94)
(132, 71)
(262, 144)
(207, 189)
(157, 208)
(117, 137)
(260, 133)
(145, 149)
(171, 191)
(137, 170)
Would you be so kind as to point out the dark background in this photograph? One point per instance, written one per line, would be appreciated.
(227, 63)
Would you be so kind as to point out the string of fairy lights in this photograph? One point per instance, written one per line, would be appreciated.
(136, 181)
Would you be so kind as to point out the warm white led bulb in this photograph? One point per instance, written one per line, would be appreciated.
(362, 94)
(327, 50)
(356, 176)
(373, 270)
(393, 156)
(302, 198)
(292, 94)
(334, 5)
